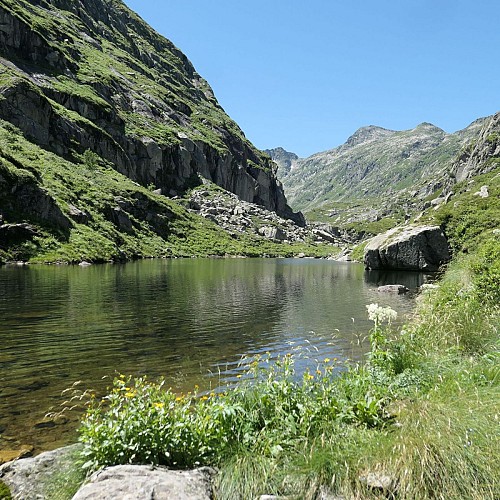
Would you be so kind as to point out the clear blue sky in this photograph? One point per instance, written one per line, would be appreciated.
(305, 74)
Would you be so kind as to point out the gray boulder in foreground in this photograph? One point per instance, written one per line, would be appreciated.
(130, 482)
(29, 478)
(412, 248)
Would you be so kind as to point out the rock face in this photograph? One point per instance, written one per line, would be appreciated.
(414, 248)
(27, 477)
(482, 156)
(92, 77)
(144, 481)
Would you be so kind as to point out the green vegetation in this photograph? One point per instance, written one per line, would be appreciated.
(113, 222)
(493, 137)
(65, 482)
(358, 252)
(4, 491)
(374, 227)
(467, 216)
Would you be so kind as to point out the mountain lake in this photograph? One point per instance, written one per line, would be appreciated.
(190, 321)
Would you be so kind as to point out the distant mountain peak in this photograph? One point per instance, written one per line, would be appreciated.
(429, 126)
(366, 134)
(279, 151)
(283, 158)
(376, 163)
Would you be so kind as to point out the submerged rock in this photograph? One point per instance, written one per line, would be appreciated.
(413, 248)
(9, 455)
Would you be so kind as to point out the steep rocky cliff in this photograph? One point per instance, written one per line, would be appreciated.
(89, 76)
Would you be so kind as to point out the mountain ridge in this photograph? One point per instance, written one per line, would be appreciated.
(152, 115)
(374, 157)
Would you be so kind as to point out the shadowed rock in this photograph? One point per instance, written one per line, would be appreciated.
(413, 248)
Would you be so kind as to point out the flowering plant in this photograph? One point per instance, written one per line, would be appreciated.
(379, 314)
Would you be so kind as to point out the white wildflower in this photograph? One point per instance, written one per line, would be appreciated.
(379, 314)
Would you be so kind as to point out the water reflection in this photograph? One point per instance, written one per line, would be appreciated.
(181, 319)
(411, 280)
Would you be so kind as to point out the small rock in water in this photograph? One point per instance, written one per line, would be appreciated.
(34, 386)
(393, 289)
(45, 424)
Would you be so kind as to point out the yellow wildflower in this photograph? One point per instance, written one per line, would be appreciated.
(159, 405)
(130, 394)
(327, 360)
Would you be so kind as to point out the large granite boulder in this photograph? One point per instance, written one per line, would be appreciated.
(34, 477)
(42, 478)
(412, 248)
(143, 481)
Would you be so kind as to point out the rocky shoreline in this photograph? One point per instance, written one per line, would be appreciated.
(44, 476)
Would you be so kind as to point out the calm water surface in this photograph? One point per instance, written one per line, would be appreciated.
(189, 321)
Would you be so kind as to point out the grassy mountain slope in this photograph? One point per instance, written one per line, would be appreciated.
(54, 210)
(377, 169)
(98, 111)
